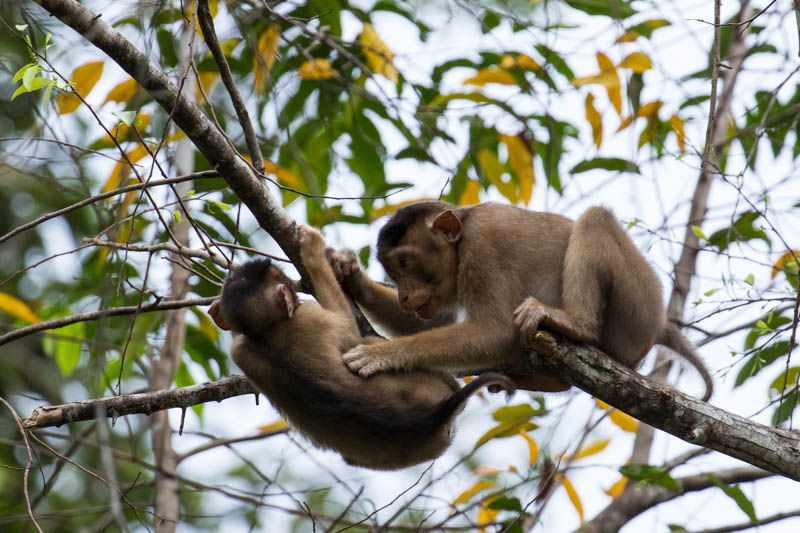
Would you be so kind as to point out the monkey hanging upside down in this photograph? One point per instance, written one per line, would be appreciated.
(292, 353)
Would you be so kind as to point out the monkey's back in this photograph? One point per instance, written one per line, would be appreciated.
(387, 421)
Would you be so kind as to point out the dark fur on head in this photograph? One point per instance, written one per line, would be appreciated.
(243, 306)
(393, 231)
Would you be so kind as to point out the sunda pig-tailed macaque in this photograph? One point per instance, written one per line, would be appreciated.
(500, 267)
(292, 352)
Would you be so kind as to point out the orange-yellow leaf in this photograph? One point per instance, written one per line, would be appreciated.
(471, 192)
(627, 37)
(318, 69)
(285, 176)
(479, 486)
(676, 123)
(280, 425)
(609, 79)
(594, 118)
(520, 60)
(206, 79)
(638, 62)
(591, 449)
(493, 170)
(624, 421)
(780, 264)
(648, 134)
(265, 55)
(391, 208)
(83, 80)
(650, 110)
(114, 179)
(18, 309)
(491, 74)
(533, 448)
(379, 57)
(626, 121)
(617, 488)
(521, 160)
(601, 404)
(122, 92)
(486, 470)
(121, 131)
(573, 497)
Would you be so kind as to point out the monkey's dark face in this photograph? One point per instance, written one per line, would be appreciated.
(424, 269)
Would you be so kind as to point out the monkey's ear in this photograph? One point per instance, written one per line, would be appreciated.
(216, 314)
(448, 225)
(285, 300)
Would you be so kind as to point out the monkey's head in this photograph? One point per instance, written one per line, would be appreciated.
(418, 250)
(256, 296)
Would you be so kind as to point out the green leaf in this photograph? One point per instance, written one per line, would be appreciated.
(504, 430)
(768, 325)
(742, 230)
(761, 359)
(649, 475)
(68, 348)
(606, 163)
(126, 117)
(699, 233)
(736, 494)
(504, 503)
(513, 413)
(618, 9)
(787, 379)
(787, 406)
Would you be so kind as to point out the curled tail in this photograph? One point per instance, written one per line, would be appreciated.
(454, 403)
(672, 338)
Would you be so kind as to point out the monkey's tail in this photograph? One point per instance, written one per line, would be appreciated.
(672, 338)
(455, 402)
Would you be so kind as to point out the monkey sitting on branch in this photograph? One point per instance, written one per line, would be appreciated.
(292, 352)
(475, 284)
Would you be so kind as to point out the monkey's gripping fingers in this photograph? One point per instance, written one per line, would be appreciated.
(527, 318)
(312, 243)
(359, 361)
(347, 270)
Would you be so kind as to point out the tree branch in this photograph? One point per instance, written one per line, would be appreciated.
(773, 449)
(141, 403)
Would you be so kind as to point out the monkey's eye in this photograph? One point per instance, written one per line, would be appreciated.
(403, 262)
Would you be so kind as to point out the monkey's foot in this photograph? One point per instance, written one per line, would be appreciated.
(527, 318)
(360, 361)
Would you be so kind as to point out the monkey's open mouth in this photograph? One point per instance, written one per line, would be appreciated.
(427, 310)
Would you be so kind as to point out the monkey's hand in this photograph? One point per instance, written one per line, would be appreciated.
(312, 244)
(348, 271)
(365, 360)
(527, 318)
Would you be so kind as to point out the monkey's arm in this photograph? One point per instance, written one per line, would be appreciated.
(327, 290)
(379, 302)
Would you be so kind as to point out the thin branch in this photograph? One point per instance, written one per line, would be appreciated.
(95, 315)
(140, 403)
(750, 525)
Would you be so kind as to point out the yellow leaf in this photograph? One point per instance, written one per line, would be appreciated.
(280, 425)
(533, 448)
(637, 61)
(391, 208)
(379, 57)
(783, 261)
(486, 470)
(485, 514)
(617, 488)
(18, 308)
(676, 123)
(470, 195)
(650, 110)
(626, 121)
(624, 421)
(520, 60)
(205, 325)
(122, 167)
(521, 160)
(591, 449)
(573, 497)
(601, 404)
(319, 69)
(206, 80)
(491, 74)
(627, 37)
(265, 55)
(493, 170)
(83, 80)
(594, 119)
(122, 92)
(483, 484)
(285, 176)
(121, 131)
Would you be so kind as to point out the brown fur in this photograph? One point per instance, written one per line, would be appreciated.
(294, 356)
(507, 267)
